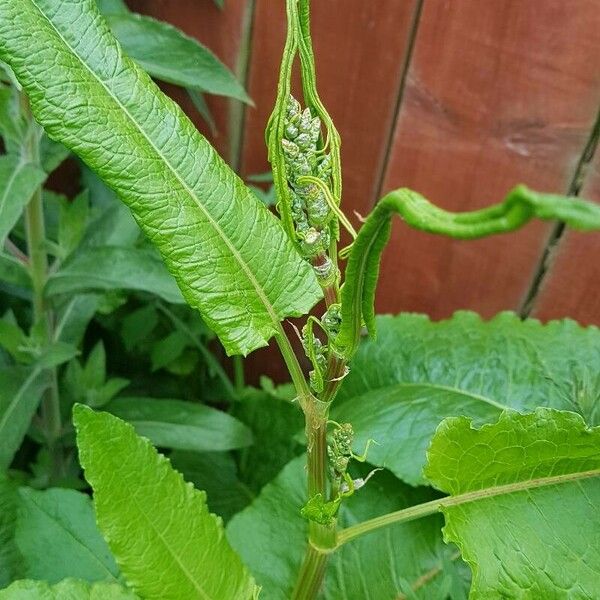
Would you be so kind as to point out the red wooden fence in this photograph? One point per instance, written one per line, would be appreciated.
(457, 99)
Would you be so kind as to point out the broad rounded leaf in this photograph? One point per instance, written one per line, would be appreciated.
(228, 253)
(524, 506)
(68, 589)
(166, 543)
(402, 385)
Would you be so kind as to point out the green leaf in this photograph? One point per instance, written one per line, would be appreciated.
(69, 589)
(52, 154)
(418, 372)
(18, 181)
(182, 425)
(113, 267)
(11, 561)
(216, 474)
(168, 349)
(21, 389)
(73, 219)
(73, 318)
(524, 502)
(273, 423)
(168, 54)
(229, 254)
(58, 537)
(362, 272)
(14, 272)
(55, 354)
(138, 325)
(166, 543)
(13, 127)
(220, 3)
(270, 535)
(112, 7)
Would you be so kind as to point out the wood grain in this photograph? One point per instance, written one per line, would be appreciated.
(497, 93)
(572, 287)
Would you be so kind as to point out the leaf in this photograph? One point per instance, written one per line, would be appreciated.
(14, 272)
(168, 349)
(73, 219)
(270, 536)
(110, 267)
(220, 3)
(362, 272)
(21, 389)
(69, 589)
(168, 54)
(229, 254)
(55, 354)
(166, 543)
(58, 537)
(524, 502)
(418, 372)
(52, 154)
(182, 425)
(137, 325)
(73, 318)
(216, 474)
(11, 561)
(273, 423)
(18, 181)
(112, 7)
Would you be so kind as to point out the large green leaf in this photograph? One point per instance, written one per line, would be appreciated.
(229, 254)
(114, 267)
(182, 425)
(58, 537)
(167, 544)
(11, 561)
(418, 372)
(18, 180)
(69, 589)
(168, 54)
(405, 559)
(519, 207)
(21, 389)
(524, 505)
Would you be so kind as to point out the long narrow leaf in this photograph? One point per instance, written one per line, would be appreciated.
(229, 255)
(520, 206)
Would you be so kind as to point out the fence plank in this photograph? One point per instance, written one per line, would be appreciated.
(571, 287)
(497, 93)
(219, 30)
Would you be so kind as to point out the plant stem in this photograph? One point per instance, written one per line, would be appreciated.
(429, 508)
(35, 232)
(239, 380)
(311, 575)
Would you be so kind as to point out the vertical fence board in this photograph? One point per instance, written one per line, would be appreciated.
(219, 30)
(497, 93)
(571, 288)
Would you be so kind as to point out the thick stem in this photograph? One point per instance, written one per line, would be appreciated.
(311, 575)
(43, 318)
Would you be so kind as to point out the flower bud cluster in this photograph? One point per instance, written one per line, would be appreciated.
(309, 208)
(340, 450)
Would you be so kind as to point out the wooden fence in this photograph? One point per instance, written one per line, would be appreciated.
(457, 99)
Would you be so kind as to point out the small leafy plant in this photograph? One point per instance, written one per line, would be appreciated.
(489, 423)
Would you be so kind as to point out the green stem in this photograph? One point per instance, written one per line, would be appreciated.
(43, 318)
(311, 575)
(239, 380)
(428, 508)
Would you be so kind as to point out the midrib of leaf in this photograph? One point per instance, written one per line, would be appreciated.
(17, 399)
(170, 550)
(191, 193)
(76, 539)
(429, 508)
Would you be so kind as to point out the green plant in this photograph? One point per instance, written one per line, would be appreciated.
(484, 422)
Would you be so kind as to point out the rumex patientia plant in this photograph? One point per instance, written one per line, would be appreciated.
(503, 454)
